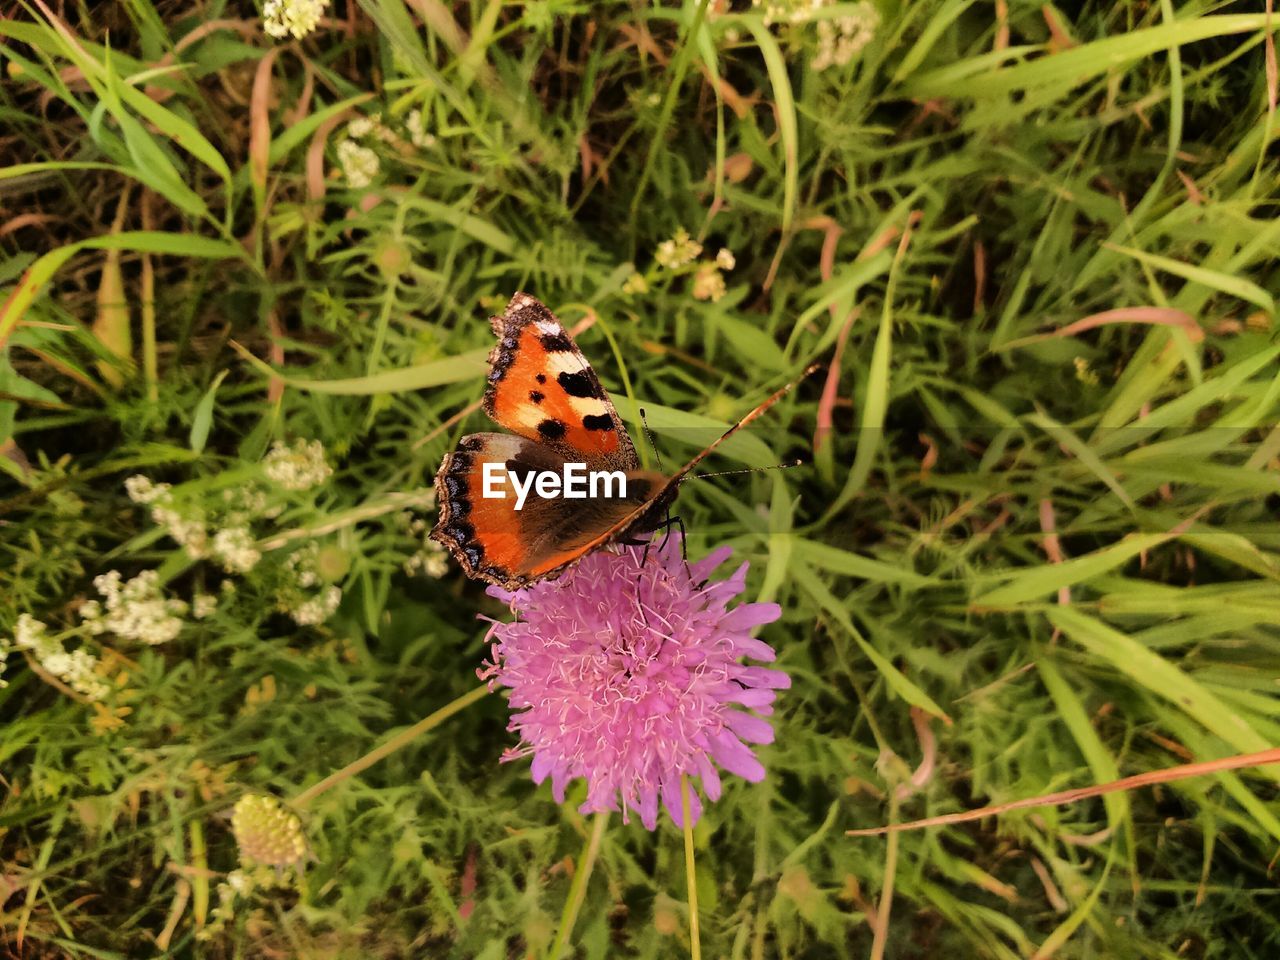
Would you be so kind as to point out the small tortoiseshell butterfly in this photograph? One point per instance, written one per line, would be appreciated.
(542, 388)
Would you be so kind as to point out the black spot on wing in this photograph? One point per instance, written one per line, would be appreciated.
(541, 378)
(551, 429)
(536, 396)
(598, 421)
(556, 342)
(580, 384)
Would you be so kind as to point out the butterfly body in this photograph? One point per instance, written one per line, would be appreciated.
(541, 388)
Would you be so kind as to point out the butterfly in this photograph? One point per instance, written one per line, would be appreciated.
(542, 388)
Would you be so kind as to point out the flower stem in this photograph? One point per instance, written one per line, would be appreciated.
(578, 889)
(881, 936)
(401, 739)
(690, 871)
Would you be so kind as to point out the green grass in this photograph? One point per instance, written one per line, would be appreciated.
(939, 205)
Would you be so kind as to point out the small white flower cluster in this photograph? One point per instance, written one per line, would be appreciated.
(233, 548)
(788, 11)
(359, 164)
(431, 558)
(370, 126)
(842, 39)
(246, 502)
(296, 18)
(78, 669)
(708, 280)
(133, 610)
(203, 605)
(679, 251)
(305, 597)
(5, 648)
(417, 130)
(186, 526)
(297, 467)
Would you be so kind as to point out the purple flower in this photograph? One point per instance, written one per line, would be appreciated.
(628, 674)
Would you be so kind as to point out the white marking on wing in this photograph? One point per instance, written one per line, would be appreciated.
(565, 361)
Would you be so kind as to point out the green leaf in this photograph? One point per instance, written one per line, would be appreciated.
(1070, 68)
(464, 366)
(203, 418)
(146, 241)
(1154, 673)
(1037, 583)
(809, 581)
(1224, 282)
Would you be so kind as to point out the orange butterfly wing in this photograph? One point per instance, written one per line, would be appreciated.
(541, 387)
(496, 542)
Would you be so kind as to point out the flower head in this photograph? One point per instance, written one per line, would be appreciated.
(282, 18)
(680, 250)
(708, 283)
(359, 164)
(626, 671)
(135, 609)
(299, 466)
(266, 832)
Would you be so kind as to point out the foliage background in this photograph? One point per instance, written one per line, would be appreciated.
(1067, 544)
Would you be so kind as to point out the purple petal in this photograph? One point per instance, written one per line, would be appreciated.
(764, 677)
(698, 571)
(734, 756)
(750, 615)
(710, 779)
(749, 728)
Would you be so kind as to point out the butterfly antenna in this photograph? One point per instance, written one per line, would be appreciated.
(649, 436)
(729, 473)
(765, 405)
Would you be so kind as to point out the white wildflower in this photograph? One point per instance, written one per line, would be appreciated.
(239, 882)
(233, 548)
(5, 647)
(678, 251)
(79, 670)
(297, 18)
(370, 126)
(432, 559)
(297, 467)
(319, 608)
(141, 490)
(245, 501)
(788, 11)
(361, 127)
(417, 131)
(186, 526)
(708, 283)
(842, 39)
(29, 633)
(203, 605)
(305, 597)
(725, 259)
(133, 610)
(359, 164)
